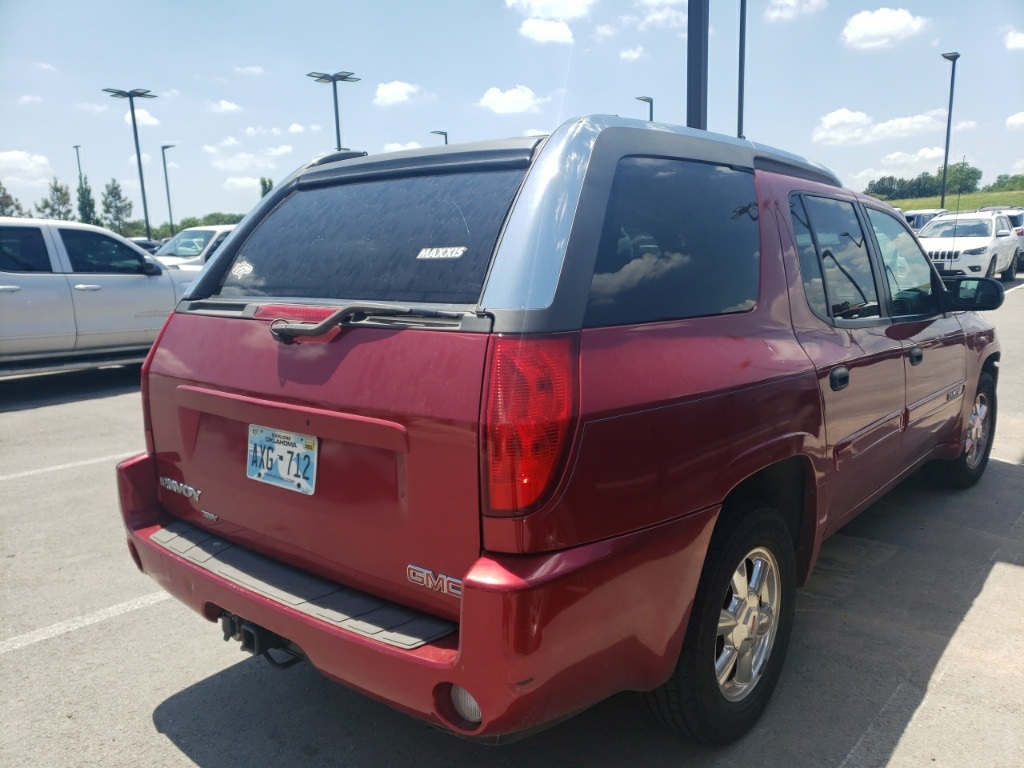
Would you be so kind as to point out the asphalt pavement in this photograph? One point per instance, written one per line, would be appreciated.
(907, 649)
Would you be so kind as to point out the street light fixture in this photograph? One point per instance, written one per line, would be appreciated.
(167, 185)
(442, 133)
(342, 77)
(953, 56)
(136, 93)
(650, 105)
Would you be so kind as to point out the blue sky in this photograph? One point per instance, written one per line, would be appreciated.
(859, 86)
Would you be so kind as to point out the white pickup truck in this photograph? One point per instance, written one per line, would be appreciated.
(78, 296)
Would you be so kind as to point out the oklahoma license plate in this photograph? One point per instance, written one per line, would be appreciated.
(284, 459)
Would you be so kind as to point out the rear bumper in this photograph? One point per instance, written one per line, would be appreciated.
(539, 636)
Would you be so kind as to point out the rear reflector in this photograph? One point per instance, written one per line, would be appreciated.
(529, 408)
(295, 313)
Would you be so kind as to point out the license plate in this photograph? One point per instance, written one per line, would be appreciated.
(283, 459)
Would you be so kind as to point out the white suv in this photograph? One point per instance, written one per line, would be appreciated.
(977, 243)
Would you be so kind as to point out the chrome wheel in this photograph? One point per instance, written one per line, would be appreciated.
(977, 431)
(747, 624)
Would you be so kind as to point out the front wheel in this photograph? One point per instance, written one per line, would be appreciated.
(991, 271)
(738, 633)
(1010, 273)
(967, 468)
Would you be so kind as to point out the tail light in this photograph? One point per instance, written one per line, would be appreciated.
(529, 407)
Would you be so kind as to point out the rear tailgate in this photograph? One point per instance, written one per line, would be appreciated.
(394, 414)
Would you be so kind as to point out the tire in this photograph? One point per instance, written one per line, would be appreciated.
(967, 468)
(735, 645)
(991, 271)
(1010, 274)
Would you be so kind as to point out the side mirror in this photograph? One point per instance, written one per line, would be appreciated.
(967, 294)
(150, 267)
(1003, 233)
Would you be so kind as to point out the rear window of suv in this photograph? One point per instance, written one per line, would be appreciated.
(425, 239)
(680, 240)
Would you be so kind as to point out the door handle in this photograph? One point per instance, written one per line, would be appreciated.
(9, 288)
(87, 287)
(839, 378)
(916, 356)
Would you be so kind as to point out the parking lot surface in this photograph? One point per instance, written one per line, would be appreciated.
(906, 649)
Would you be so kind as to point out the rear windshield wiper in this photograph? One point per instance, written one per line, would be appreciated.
(286, 332)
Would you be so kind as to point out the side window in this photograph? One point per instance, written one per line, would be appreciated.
(680, 239)
(95, 252)
(907, 270)
(810, 267)
(22, 249)
(216, 244)
(842, 255)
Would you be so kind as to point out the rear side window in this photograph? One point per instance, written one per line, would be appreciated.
(22, 250)
(680, 240)
(422, 239)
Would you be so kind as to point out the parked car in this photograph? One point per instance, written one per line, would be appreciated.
(1016, 216)
(77, 296)
(979, 243)
(494, 431)
(194, 245)
(149, 246)
(918, 218)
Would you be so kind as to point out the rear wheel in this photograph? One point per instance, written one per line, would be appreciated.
(1010, 273)
(967, 468)
(738, 633)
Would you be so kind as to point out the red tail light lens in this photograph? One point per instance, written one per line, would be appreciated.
(530, 404)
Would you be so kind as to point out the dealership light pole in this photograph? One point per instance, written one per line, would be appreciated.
(337, 77)
(78, 157)
(442, 133)
(650, 107)
(167, 184)
(743, 66)
(136, 93)
(953, 56)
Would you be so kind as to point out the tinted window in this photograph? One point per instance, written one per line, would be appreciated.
(422, 239)
(907, 269)
(680, 239)
(188, 242)
(957, 228)
(810, 267)
(22, 250)
(842, 253)
(95, 252)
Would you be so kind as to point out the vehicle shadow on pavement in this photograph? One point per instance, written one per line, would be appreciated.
(890, 623)
(26, 392)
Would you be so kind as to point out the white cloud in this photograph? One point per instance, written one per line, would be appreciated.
(30, 99)
(844, 126)
(223, 107)
(171, 94)
(229, 141)
(295, 128)
(965, 125)
(924, 155)
(142, 117)
(250, 70)
(394, 92)
(512, 101)
(604, 31)
(535, 132)
(210, 149)
(562, 10)
(395, 146)
(882, 28)
(89, 107)
(1019, 166)
(241, 182)
(631, 54)
(145, 160)
(1015, 122)
(314, 128)
(284, 149)
(1014, 40)
(546, 31)
(261, 131)
(24, 165)
(243, 161)
(44, 66)
(662, 16)
(787, 10)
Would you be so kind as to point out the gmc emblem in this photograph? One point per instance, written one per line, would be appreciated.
(439, 583)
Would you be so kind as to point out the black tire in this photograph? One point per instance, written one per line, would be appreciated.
(991, 271)
(693, 701)
(979, 432)
(1010, 274)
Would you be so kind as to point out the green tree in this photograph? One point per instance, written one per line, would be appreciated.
(961, 178)
(265, 186)
(1006, 183)
(9, 205)
(86, 203)
(56, 205)
(116, 207)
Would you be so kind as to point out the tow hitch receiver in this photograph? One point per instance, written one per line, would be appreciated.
(258, 641)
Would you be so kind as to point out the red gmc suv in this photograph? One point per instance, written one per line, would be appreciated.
(491, 432)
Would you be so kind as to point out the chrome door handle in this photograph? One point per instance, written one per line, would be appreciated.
(87, 287)
(9, 288)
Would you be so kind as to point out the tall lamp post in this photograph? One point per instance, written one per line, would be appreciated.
(136, 93)
(78, 157)
(742, 67)
(337, 77)
(442, 133)
(167, 184)
(953, 56)
(650, 107)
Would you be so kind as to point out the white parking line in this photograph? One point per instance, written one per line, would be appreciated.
(1011, 290)
(72, 465)
(71, 625)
